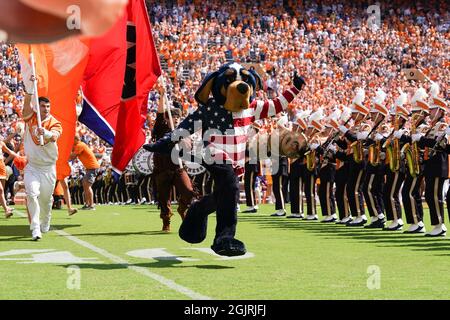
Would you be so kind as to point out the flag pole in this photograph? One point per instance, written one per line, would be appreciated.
(172, 127)
(36, 95)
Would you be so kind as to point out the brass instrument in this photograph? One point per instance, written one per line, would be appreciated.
(310, 156)
(393, 150)
(375, 149)
(358, 152)
(310, 160)
(411, 151)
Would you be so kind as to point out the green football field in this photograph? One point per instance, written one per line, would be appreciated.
(118, 252)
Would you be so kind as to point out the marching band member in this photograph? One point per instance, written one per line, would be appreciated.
(435, 162)
(374, 181)
(342, 171)
(252, 168)
(327, 172)
(297, 172)
(395, 172)
(411, 194)
(279, 178)
(314, 127)
(357, 162)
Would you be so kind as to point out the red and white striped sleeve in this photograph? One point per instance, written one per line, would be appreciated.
(269, 108)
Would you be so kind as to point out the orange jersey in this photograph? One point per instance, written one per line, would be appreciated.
(86, 155)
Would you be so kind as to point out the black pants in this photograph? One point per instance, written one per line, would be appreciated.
(326, 197)
(122, 190)
(250, 185)
(373, 193)
(279, 185)
(223, 200)
(433, 196)
(355, 189)
(295, 193)
(412, 199)
(392, 187)
(310, 192)
(341, 193)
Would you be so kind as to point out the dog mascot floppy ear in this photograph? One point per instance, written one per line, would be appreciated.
(227, 108)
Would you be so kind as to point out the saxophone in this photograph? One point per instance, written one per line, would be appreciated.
(411, 151)
(358, 152)
(393, 150)
(310, 160)
(374, 153)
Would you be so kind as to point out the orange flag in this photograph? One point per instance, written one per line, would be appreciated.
(60, 68)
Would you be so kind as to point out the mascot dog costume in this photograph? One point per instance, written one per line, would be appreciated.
(225, 121)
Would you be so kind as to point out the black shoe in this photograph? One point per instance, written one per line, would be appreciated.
(250, 211)
(194, 226)
(356, 224)
(398, 227)
(419, 229)
(379, 224)
(229, 247)
(276, 214)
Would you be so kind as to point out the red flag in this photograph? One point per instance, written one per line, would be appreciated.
(142, 72)
(123, 67)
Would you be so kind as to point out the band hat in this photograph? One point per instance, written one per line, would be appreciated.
(418, 101)
(315, 120)
(332, 121)
(378, 103)
(436, 101)
(300, 118)
(358, 102)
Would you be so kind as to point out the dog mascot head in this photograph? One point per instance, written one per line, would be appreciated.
(232, 86)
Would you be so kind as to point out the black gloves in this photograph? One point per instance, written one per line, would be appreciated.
(163, 145)
(298, 81)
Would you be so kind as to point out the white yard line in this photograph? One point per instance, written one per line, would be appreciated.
(143, 271)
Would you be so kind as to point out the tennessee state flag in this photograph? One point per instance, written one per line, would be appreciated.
(123, 67)
(59, 69)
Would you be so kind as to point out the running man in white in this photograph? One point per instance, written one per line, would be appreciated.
(40, 172)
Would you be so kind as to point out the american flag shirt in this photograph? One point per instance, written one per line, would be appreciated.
(225, 133)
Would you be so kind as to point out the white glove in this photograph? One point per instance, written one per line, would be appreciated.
(343, 129)
(362, 135)
(398, 134)
(313, 146)
(416, 137)
(47, 134)
(378, 137)
(332, 148)
(447, 131)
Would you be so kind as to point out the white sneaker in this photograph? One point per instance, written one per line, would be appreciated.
(416, 228)
(395, 225)
(295, 216)
(360, 219)
(439, 231)
(346, 220)
(312, 217)
(45, 228)
(36, 234)
(330, 218)
(279, 213)
(373, 219)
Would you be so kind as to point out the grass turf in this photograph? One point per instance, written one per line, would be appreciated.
(292, 260)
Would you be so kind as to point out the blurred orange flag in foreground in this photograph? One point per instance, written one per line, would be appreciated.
(59, 69)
